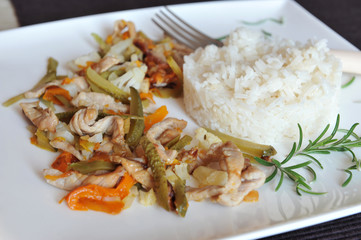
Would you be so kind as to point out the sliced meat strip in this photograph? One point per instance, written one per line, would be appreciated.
(108, 180)
(138, 172)
(156, 131)
(60, 143)
(105, 63)
(79, 84)
(44, 119)
(100, 101)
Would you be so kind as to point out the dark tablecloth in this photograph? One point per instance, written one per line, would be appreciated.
(342, 16)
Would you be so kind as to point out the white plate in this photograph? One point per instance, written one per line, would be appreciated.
(29, 207)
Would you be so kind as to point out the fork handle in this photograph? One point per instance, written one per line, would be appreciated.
(351, 60)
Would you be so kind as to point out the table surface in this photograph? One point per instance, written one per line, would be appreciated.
(344, 17)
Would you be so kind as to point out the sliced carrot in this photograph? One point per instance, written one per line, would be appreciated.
(56, 177)
(155, 117)
(100, 156)
(51, 92)
(96, 198)
(147, 95)
(67, 81)
(109, 40)
(63, 160)
(252, 196)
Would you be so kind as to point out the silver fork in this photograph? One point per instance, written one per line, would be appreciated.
(178, 29)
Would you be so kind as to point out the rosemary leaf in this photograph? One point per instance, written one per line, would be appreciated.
(348, 180)
(270, 177)
(349, 82)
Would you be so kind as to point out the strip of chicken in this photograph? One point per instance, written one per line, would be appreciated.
(231, 160)
(75, 179)
(137, 171)
(105, 63)
(68, 182)
(108, 180)
(100, 101)
(43, 119)
(242, 178)
(79, 82)
(252, 178)
(155, 133)
(84, 123)
(60, 143)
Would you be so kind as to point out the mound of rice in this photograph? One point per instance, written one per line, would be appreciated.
(259, 88)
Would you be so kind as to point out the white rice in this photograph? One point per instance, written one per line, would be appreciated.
(259, 88)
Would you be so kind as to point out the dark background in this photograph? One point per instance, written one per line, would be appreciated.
(344, 17)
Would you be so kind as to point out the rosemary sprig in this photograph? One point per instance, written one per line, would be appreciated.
(259, 22)
(321, 145)
(349, 82)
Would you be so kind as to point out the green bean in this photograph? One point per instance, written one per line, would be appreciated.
(181, 201)
(254, 149)
(136, 125)
(42, 141)
(104, 85)
(158, 170)
(184, 141)
(49, 76)
(89, 167)
(172, 142)
(104, 47)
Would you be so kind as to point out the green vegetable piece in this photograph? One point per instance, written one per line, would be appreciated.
(136, 125)
(42, 141)
(254, 149)
(167, 92)
(175, 68)
(158, 170)
(172, 142)
(13, 100)
(48, 104)
(50, 73)
(184, 141)
(104, 47)
(49, 76)
(64, 101)
(349, 82)
(104, 85)
(65, 116)
(89, 167)
(181, 202)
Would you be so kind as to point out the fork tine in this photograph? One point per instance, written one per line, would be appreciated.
(199, 39)
(214, 41)
(183, 34)
(173, 35)
(181, 31)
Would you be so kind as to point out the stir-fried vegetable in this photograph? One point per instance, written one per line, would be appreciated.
(99, 198)
(184, 141)
(40, 140)
(63, 161)
(49, 76)
(254, 149)
(181, 201)
(105, 86)
(104, 137)
(89, 167)
(155, 117)
(136, 125)
(158, 169)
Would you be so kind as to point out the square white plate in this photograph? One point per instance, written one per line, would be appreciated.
(29, 207)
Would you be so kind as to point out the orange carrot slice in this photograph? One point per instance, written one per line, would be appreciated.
(97, 198)
(51, 92)
(155, 117)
